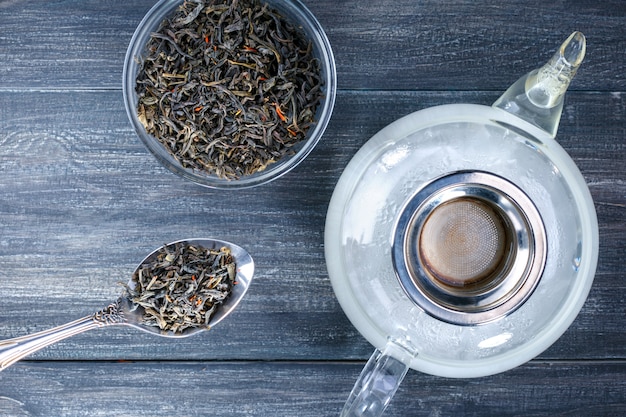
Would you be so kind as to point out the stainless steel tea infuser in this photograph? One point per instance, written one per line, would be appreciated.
(469, 247)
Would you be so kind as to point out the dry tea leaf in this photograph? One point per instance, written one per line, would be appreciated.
(228, 87)
(183, 285)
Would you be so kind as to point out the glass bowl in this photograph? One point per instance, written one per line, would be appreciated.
(297, 14)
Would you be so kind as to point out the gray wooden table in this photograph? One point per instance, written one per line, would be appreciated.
(82, 201)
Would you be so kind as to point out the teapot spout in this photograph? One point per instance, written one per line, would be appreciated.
(537, 97)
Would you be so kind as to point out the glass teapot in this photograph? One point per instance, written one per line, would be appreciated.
(462, 240)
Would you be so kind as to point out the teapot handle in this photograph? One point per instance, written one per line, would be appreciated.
(379, 381)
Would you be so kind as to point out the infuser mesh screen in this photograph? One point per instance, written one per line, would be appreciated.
(462, 241)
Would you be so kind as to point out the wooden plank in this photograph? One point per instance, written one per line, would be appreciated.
(82, 203)
(80, 389)
(436, 45)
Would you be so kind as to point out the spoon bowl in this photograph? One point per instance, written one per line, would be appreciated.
(124, 312)
(245, 270)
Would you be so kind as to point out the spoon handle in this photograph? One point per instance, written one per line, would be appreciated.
(12, 350)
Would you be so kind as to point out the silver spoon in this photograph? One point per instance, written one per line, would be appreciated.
(123, 312)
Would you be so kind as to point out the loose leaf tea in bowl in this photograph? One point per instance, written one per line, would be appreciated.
(182, 286)
(230, 87)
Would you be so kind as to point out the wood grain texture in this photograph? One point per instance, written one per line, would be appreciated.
(82, 202)
(407, 44)
(305, 389)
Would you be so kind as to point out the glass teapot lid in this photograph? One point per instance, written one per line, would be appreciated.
(493, 174)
